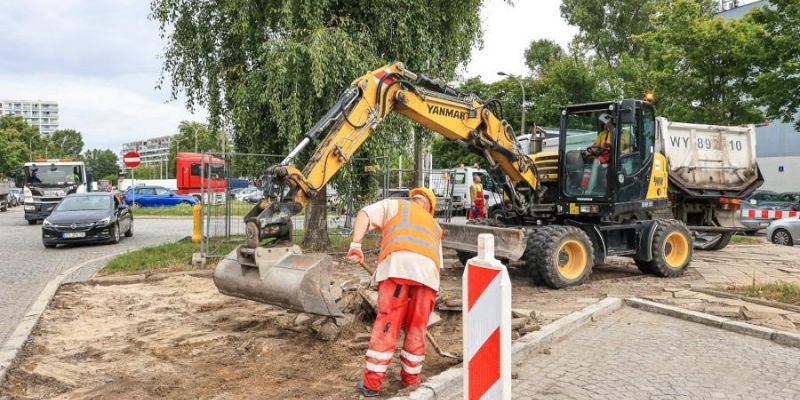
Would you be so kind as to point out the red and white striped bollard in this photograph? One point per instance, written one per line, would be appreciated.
(487, 325)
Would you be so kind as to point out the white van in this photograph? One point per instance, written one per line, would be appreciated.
(462, 179)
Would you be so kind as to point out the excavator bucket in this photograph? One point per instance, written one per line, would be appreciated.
(508, 242)
(280, 275)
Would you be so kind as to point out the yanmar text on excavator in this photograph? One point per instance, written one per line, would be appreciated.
(596, 202)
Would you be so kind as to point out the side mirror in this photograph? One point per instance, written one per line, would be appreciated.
(486, 197)
(172, 195)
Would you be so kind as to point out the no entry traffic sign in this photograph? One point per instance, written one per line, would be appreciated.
(131, 159)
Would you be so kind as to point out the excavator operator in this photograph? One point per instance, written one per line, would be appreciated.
(408, 279)
(600, 149)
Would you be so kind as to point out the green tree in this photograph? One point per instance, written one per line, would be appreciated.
(540, 53)
(19, 142)
(778, 77)
(103, 163)
(270, 69)
(66, 143)
(701, 68)
(608, 26)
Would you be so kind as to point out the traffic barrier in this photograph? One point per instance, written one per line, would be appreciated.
(770, 214)
(197, 227)
(487, 325)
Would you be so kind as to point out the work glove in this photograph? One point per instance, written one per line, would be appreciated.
(355, 254)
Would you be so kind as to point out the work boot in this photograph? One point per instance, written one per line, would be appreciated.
(366, 392)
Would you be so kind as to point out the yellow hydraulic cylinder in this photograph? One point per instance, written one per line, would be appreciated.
(197, 228)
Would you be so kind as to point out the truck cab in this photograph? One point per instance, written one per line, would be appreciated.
(195, 173)
(46, 182)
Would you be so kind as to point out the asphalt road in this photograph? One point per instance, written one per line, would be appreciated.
(26, 266)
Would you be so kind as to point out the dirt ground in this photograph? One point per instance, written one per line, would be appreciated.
(179, 338)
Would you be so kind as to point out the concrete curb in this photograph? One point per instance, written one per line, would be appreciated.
(780, 337)
(141, 278)
(449, 384)
(20, 335)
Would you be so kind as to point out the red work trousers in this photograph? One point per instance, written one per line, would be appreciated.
(400, 302)
(478, 211)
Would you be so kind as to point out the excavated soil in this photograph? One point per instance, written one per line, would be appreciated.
(179, 338)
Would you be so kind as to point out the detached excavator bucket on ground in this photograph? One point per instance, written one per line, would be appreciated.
(279, 275)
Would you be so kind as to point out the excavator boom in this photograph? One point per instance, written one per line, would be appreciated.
(276, 273)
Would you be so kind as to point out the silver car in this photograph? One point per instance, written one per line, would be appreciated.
(784, 231)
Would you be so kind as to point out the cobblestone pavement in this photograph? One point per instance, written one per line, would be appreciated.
(26, 266)
(634, 354)
(739, 264)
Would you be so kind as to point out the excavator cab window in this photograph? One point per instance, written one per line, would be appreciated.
(587, 151)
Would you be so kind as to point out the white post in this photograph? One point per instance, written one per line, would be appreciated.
(486, 291)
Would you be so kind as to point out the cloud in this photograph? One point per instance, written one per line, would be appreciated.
(509, 29)
(108, 111)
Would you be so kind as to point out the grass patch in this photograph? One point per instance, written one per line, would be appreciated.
(238, 208)
(782, 292)
(177, 256)
(741, 239)
(163, 257)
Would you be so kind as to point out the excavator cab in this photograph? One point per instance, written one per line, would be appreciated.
(608, 155)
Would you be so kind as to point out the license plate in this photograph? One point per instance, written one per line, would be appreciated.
(72, 235)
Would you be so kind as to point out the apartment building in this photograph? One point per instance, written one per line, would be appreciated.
(39, 113)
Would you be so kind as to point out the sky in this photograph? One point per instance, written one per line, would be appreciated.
(100, 60)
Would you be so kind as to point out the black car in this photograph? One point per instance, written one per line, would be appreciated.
(87, 218)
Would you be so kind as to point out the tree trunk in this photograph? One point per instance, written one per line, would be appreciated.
(315, 236)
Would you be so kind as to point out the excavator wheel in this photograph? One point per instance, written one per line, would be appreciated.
(672, 250)
(559, 256)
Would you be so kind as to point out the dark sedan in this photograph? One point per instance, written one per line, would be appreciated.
(87, 218)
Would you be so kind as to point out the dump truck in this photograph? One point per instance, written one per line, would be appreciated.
(558, 225)
(711, 169)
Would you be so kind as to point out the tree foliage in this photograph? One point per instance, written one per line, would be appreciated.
(778, 78)
(700, 67)
(540, 53)
(608, 26)
(66, 143)
(103, 163)
(19, 143)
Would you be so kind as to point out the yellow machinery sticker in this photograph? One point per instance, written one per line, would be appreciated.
(573, 209)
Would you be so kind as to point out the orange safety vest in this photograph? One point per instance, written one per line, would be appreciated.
(412, 229)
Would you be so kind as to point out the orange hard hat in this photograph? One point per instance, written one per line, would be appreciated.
(427, 193)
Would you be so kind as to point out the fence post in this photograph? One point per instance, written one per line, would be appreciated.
(486, 312)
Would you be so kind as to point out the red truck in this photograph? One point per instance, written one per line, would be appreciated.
(188, 174)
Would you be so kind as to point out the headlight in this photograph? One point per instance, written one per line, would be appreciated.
(104, 221)
(46, 224)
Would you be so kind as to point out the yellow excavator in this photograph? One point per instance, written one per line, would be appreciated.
(563, 213)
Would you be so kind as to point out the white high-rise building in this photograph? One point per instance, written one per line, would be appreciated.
(39, 113)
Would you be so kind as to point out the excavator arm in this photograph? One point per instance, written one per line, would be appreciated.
(279, 273)
(356, 115)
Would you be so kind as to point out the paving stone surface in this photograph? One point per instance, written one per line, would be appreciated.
(740, 264)
(634, 354)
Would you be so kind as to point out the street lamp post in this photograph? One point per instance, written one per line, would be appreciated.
(522, 123)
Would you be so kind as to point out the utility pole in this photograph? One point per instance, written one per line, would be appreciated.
(194, 129)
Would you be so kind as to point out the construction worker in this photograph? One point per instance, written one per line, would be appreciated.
(600, 149)
(476, 209)
(408, 279)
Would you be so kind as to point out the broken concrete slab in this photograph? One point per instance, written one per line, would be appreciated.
(723, 311)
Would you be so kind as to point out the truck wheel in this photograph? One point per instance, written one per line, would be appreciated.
(559, 256)
(723, 241)
(672, 250)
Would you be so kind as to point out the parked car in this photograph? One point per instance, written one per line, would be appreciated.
(156, 196)
(784, 231)
(15, 197)
(758, 201)
(87, 218)
(247, 193)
